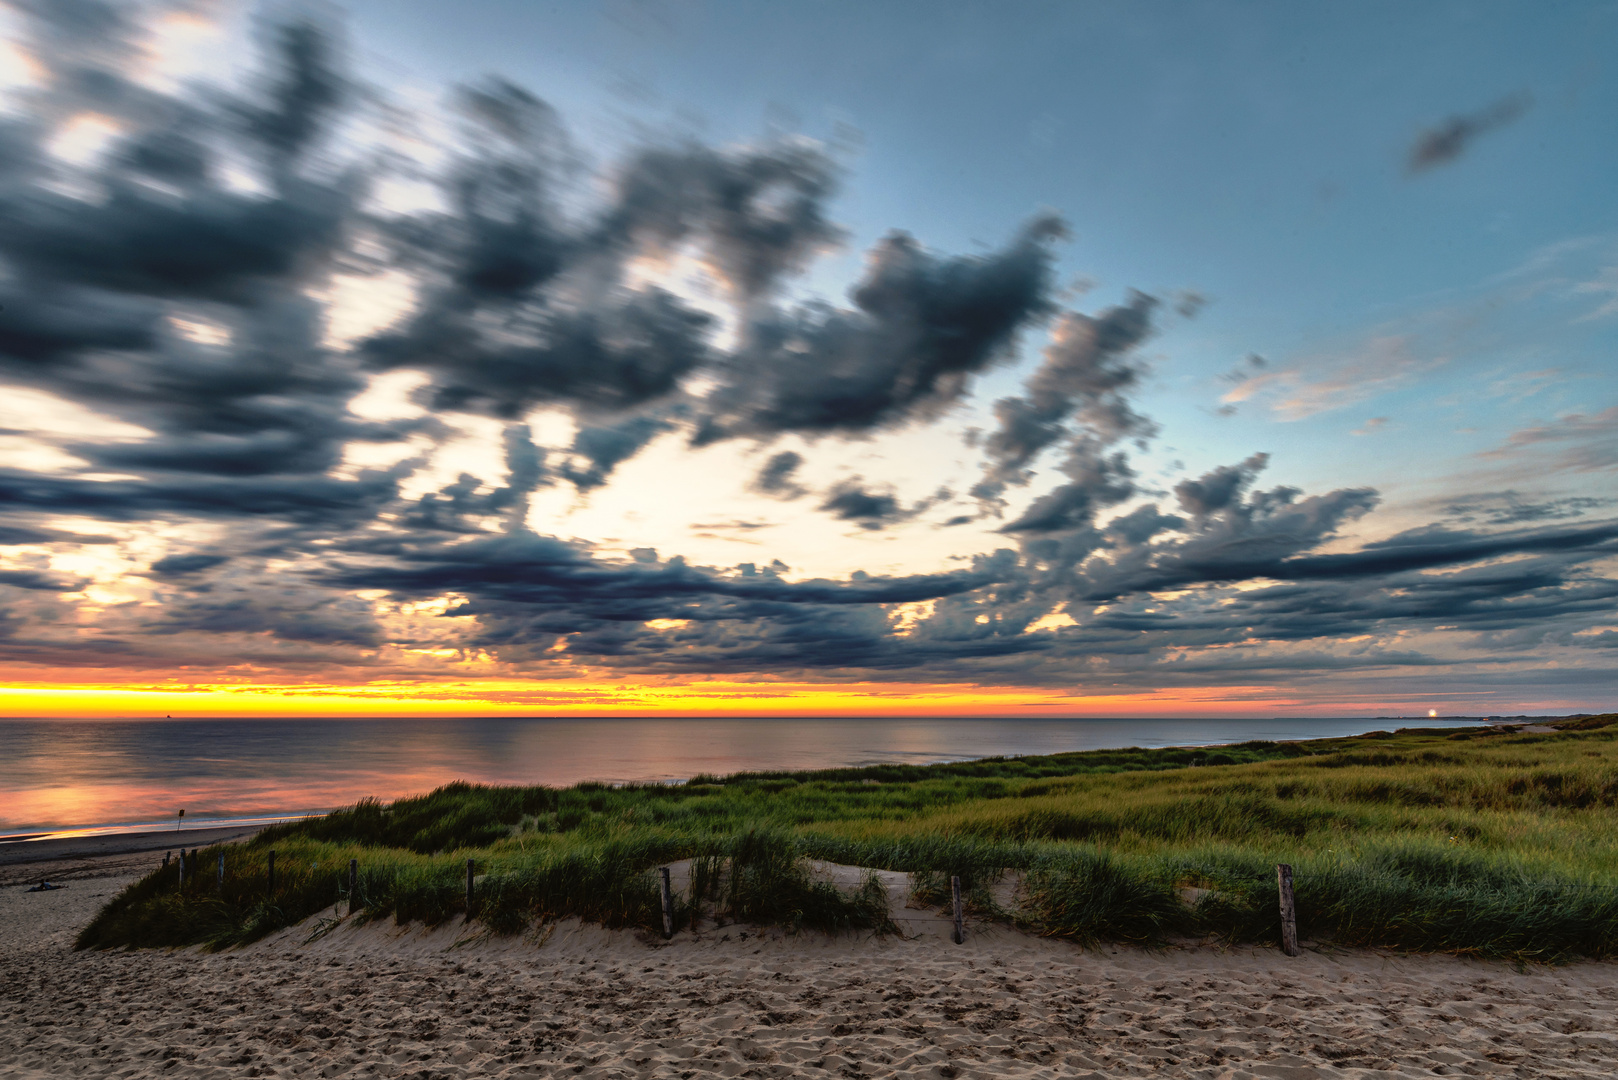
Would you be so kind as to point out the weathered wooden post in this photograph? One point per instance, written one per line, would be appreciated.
(960, 926)
(272, 871)
(220, 885)
(469, 890)
(668, 903)
(182, 868)
(353, 884)
(1289, 911)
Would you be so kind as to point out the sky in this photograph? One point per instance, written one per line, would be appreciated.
(698, 358)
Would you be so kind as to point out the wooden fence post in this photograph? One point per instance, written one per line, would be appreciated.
(960, 926)
(220, 884)
(272, 871)
(353, 884)
(182, 868)
(668, 903)
(1289, 911)
(469, 890)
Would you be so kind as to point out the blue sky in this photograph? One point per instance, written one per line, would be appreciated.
(1332, 282)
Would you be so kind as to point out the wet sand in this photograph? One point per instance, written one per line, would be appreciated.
(572, 1000)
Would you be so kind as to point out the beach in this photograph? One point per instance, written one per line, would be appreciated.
(575, 1000)
(67, 857)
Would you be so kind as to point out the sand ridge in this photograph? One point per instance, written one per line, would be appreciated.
(575, 1000)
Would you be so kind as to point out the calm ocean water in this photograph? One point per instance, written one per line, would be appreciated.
(84, 774)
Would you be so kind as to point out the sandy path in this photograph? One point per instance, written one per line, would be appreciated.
(379, 1002)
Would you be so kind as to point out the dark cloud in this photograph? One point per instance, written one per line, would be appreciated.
(12, 535)
(920, 327)
(525, 471)
(96, 286)
(1216, 490)
(465, 507)
(1085, 377)
(776, 478)
(42, 325)
(759, 214)
(632, 348)
(1232, 535)
(528, 309)
(525, 568)
(534, 598)
(1449, 140)
(301, 95)
(313, 501)
(605, 447)
(1142, 524)
(326, 620)
(850, 501)
(180, 565)
(211, 244)
(1095, 482)
(1426, 548)
(38, 580)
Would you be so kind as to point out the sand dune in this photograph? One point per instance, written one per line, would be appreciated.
(572, 1000)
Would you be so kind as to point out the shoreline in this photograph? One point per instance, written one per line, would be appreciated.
(126, 830)
(98, 856)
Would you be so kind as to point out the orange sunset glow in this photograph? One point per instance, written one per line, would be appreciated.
(673, 698)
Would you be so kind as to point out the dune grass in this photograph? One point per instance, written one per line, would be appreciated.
(1481, 841)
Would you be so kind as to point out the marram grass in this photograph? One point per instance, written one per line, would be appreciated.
(1483, 842)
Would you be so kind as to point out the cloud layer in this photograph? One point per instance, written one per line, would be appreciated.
(179, 286)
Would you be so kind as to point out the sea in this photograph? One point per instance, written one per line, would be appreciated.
(84, 777)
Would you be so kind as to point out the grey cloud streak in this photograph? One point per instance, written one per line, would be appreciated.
(1447, 141)
(528, 296)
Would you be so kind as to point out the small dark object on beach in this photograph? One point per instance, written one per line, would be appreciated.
(45, 886)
